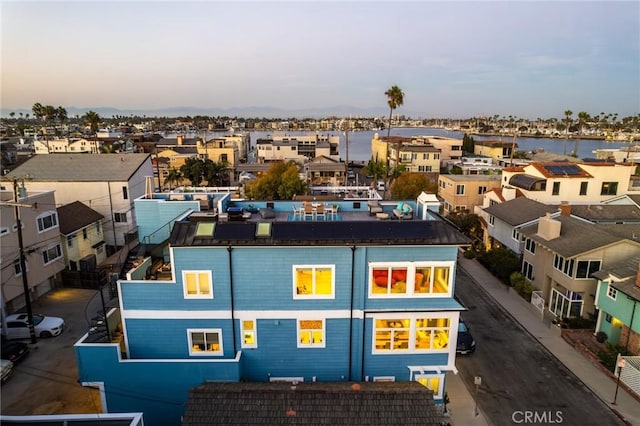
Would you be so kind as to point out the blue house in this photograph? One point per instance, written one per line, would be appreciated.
(274, 296)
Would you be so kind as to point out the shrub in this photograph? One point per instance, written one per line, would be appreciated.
(601, 336)
(501, 262)
(470, 253)
(609, 356)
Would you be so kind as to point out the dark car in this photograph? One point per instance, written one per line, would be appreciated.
(466, 344)
(14, 351)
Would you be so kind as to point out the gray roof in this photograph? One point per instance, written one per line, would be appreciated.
(627, 271)
(613, 213)
(75, 216)
(336, 403)
(520, 210)
(80, 167)
(578, 236)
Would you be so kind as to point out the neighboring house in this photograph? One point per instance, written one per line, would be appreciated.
(68, 145)
(416, 154)
(561, 255)
(233, 149)
(106, 183)
(341, 403)
(474, 165)
(82, 236)
(504, 221)
(576, 183)
(498, 150)
(41, 242)
(352, 298)
(618, 304)
(324, 170)
(465, 192)
(300, 148)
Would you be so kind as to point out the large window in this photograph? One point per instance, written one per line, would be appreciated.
(609, 188)
(565, 305)
(583, 188)
(403, 335)
(563, 265)
(530, 246)
(197, 284)
(311, 333)
(433, 382)
(205, 341)
(313, 281)
(52, 254)
(556, 188)
(249, 335)
(586, 268)
(47, 221)
(410, 279)
(527, 270)
(459, 189)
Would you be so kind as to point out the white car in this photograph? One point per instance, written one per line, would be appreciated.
(6, 368)
(17, 326)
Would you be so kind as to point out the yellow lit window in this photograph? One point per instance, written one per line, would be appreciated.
(313, 281)
(392, 334)
(388, 280)
(432, 333)
(441, 280)
(205, 342)
(422, 282)
(197, 284)
(311, 333)
(432, 382)
(249, 339)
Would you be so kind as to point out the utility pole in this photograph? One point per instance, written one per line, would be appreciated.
(23, 265)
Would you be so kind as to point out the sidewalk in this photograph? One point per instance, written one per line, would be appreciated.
(627, 408)
(462, 406)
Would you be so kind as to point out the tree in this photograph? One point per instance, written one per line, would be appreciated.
(281, 182)
(38, 110)
(409, 185)
(395, 98)
(173, 176)
(376, 169)
(216, 174)
(583, 117)
(194, 170)
(61, 116)
(92, 119)
(567, 118)
(468, 144)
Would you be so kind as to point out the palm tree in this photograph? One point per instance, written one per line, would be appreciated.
(583, 117)
(567, 118)
(216, 174)
(173, 176)
(92, 119)
(376, 169)
(61, 115)
(395, 99)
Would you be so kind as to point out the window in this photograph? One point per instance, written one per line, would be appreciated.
(98, 227)
(527, 270)
(586, 268)
(84, 234)
(311, 333)
(515, 234)
(459, 189)
(556, 188)
(436, 156)
(482, 190)
(205, 342)
(433, 382)
(52, 254)
(248, 332)
(612, 292)
(47, 221)
(384, 379)
(313, 281)
(405, 335)
(125, 193)
(564, 265)
(17, 269)
(4, 231)
(425, 169)
(197, 284)
(410, 279)
(609, 188)
(70, 240)
(425, 156)
(583, 188)
(120, 217)
(530, 246)
(565, 305)
(492, 220)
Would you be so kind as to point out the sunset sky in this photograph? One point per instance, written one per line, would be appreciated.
(451, 59)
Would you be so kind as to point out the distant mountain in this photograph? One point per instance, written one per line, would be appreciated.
(244, 112)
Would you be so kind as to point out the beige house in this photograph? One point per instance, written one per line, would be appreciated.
(576, 183)
(323, 170)
(498, 150)
(465, 192)
(82, 236)
(415, 153)
(44, 256)
(67, 145)
(561, 255)
(299, 148)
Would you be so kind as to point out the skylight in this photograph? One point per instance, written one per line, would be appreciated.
(263, 229)
(205, 229)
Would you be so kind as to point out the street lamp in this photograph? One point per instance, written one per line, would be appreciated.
(620, 365)
(477, 381)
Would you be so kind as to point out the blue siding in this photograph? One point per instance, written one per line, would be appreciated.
(157, 388)
(153, 215)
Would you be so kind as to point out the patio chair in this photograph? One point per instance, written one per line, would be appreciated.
(309, 211)
(297, 212)
(320, 211)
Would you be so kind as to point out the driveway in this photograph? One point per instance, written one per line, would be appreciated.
(519, 376)
(46, 382)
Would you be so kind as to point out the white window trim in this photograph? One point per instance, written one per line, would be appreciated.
(4, 231)
(205, 330)
(44, 215)
(384, 378)
(312, 345)
(411, 271)
(287, 379)
(197, 296)
(440, 377)
(412, 317)
(612, 292)
(50, 261)
(255, 334)
(314, 296)
(492, 220)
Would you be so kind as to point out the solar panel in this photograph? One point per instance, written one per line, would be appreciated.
(564, 169)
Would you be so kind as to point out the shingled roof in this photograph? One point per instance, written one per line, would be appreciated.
(336, 403)
(519, 210)
(75, 216)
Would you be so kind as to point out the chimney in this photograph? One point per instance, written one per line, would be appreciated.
(180, 139)
(548, 227)
(565, 208)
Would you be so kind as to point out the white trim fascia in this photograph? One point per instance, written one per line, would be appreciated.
(103, 395)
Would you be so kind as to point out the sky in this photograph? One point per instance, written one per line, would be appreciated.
(451, 59)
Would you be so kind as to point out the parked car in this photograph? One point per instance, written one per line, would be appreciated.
(380, 185)
(14, 351)
(18, 326)
(466, 344)
(6, 368)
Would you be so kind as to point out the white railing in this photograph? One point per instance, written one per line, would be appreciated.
(538, 302)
